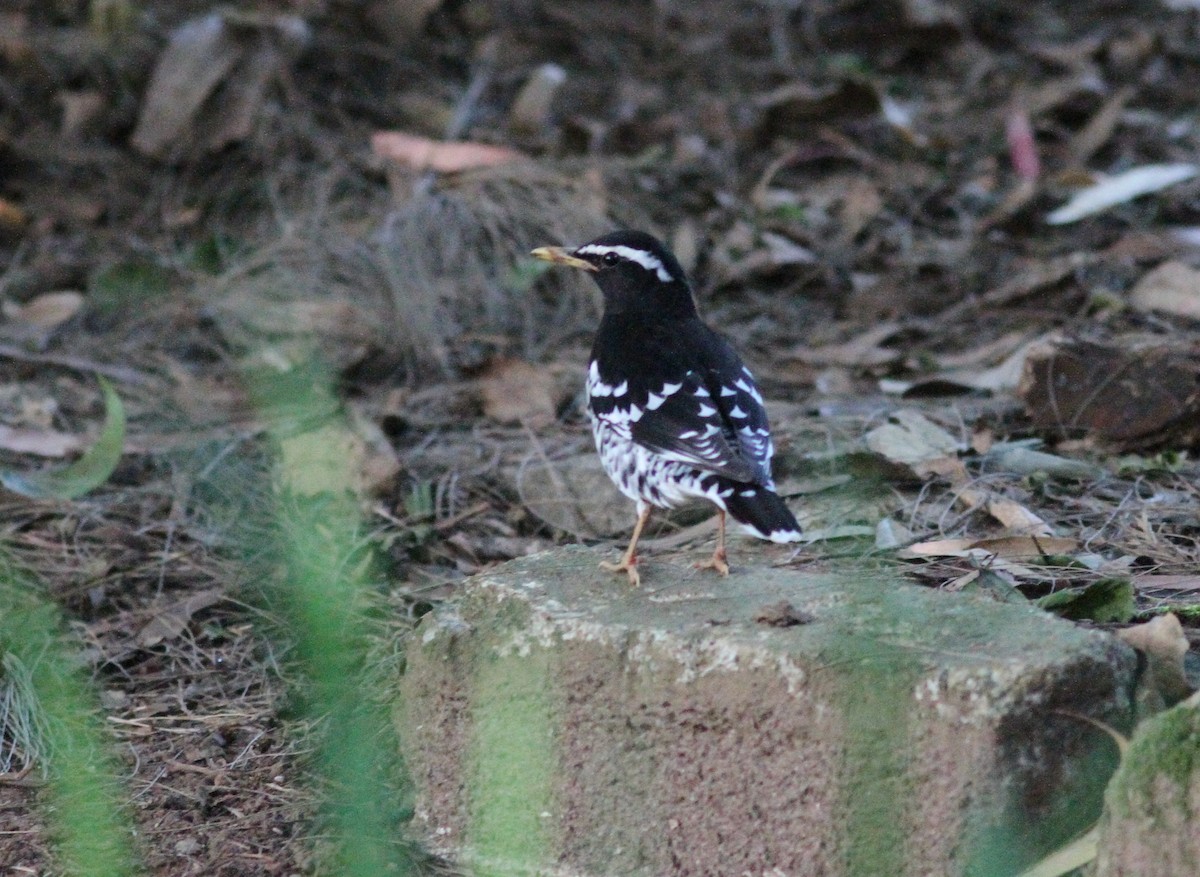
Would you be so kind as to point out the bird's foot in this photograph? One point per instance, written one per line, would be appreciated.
(628, 565)
(717, 562)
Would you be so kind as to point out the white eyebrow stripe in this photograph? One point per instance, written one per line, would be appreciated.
(647, 260)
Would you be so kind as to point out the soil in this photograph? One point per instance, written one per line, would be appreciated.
(859, 191)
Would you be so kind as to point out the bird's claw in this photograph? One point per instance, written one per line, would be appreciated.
(717, 562)
(628, 566)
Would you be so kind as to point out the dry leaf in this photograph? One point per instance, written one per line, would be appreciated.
(1100, 127)
(80, 110)
(574, 495)
(1154, 582)
(379, 464)
(516, 391)
(1022, 147)
(1020, 460)
(40, 442)
(12, 217)
(1164, 644)
(915, 442)
(1003, 377)
(863, 350)
(238, 51)
(171, 620)
(1007, 547)
(423, 153)
(860, 205)
(1172, 287)
(199, 54)
(530, 111)
(46, 311)
(1017, 518)
(1111, 191)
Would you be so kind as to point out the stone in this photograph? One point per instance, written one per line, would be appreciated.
(1152, 807)
(557, 722)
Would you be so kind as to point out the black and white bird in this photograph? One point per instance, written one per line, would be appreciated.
(675, 414)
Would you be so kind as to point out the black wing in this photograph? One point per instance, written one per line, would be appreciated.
(697, 404)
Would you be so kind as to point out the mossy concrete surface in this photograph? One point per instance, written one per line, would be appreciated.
(1151, 825)
(558, 722)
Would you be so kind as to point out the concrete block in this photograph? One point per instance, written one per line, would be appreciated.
(1151, 825)
(768, 723)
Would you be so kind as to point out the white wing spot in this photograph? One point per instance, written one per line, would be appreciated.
(654, 401)
(737, 411)
(748, 387)
(670, 389)
(706, 410)
(702, 393)
(728, 391)
(621, 388)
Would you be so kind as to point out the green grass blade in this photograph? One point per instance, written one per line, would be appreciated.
(89, 471)
(85, 802)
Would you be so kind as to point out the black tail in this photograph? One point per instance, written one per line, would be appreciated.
(762, 513)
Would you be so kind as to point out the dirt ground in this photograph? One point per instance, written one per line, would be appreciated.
(860, 191)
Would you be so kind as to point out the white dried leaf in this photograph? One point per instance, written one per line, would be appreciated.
(1111, 191)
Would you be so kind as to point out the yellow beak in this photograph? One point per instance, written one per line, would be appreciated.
(559, 256)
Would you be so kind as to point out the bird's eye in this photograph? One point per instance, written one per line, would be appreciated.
(610, 259)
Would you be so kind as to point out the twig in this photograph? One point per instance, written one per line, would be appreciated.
(121, 373)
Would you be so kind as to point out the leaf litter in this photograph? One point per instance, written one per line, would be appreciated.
(864, 223)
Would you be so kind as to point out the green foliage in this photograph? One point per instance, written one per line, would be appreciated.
(122, 287)
(85, 808)
(1104, 600)
(325, 595)
(89, 471)
(212, 254)
(1132, 465)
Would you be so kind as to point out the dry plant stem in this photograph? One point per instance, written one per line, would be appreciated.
(628, 564)
(119, 373)
(718, 559)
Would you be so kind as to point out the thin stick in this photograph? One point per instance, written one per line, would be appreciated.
(120, 373)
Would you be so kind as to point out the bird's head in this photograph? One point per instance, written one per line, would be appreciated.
(634, 270)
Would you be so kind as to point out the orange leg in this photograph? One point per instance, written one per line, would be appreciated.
(628, 564)
(717, 561)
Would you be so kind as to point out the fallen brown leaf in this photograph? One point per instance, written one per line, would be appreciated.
(1153, 582)
(1017, 518)
(1100, 126)
(46, 311)
(1164, 644)
(172, 619)
(863, 350)
(913, 441)
(443, 156)
(1172, 288)
(516, 391)
(12, 217)
(40, 442)
(199, 54)
(1008, 547)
